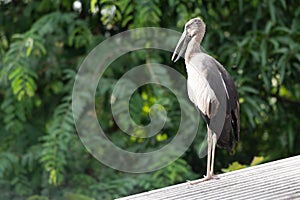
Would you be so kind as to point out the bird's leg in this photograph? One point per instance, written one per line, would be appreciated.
(209, 142)
(208, 174)
(214, 142)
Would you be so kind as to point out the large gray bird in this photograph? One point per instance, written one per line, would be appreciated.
(212, 90)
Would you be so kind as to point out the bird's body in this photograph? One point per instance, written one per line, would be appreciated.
(211, 89)
(208, 88)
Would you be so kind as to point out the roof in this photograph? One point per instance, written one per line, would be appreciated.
(274, 180)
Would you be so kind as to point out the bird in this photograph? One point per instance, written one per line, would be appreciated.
(212, 90)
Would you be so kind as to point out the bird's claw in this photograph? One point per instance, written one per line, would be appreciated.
(205, 178)
(211, 176)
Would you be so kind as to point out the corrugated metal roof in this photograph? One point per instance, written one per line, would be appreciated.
(274, 180)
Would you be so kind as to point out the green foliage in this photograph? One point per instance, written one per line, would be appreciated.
(8, 160)
(57, 141)
(128, 13)
(14, 113)
(236, 165)
(37, 197)
(257, 160)
(43, 42)
(71, 196)
(18, 65)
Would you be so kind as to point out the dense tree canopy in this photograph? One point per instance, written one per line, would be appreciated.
(42, 43)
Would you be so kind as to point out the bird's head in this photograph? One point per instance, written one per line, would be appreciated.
(193, 29)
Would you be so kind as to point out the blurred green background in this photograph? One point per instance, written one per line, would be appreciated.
(42, 44)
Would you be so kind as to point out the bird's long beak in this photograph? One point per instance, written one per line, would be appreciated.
(181, 46)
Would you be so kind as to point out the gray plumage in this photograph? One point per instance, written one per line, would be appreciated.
(211, 89)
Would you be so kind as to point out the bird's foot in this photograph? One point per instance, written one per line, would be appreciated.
(206, 178)
(213, 176)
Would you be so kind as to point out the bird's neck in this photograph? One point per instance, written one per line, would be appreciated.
(192, 48)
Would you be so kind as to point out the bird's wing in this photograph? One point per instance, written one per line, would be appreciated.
(207, 90)
(234, 106)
